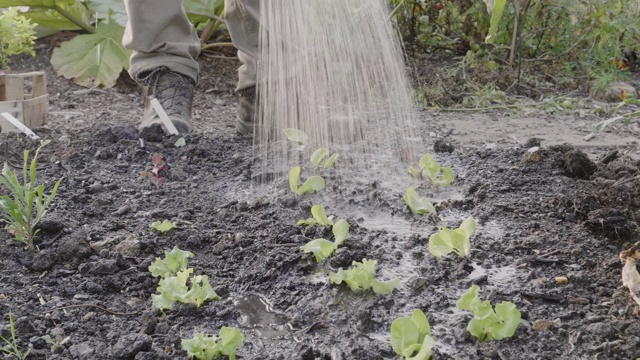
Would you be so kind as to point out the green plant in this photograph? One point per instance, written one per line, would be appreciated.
(489, 323)
(312, 184)
(412, 335)
(430, 169)
(418, 204)
(162, 227)
(203, 347)
(173, 261)
(97, 57)
(319, 217)
(11, 348)
(28, 204)
(173, 283)
(457, 241)
(361, 277)
(16, 35)
(321, 159)
(56, 343)
(323, 248)
(296, 135)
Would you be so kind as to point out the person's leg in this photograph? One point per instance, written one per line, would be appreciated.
(165, 47)
(243, 18)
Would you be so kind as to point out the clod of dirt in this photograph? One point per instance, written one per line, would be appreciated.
(613, 223)
(578, 165)
(533, 142)
(43, 260)
(129, 345)
(534, 154)
(129, 247)
(153, 133)
(74, 247)
(443, 145)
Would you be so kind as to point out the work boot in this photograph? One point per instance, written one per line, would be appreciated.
(246, 115)
(174, 92)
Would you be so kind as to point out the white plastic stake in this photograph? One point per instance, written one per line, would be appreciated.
(22, 127)
(164, 117)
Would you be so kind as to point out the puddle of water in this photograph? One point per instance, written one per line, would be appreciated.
(495, 276)
(258, 314)
(392, 224)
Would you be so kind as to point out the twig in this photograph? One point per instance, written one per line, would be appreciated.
(94, 306)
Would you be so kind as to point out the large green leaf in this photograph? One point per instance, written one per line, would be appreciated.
(404, 334)
(102, 9)
(496, 9)
(93, 59)
(55, 15)
(208, 8)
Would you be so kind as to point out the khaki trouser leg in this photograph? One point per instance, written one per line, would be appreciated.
(160, 34)
(243, 18)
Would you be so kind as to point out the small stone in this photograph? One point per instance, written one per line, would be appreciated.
(89, 316)
(131, 344)
(81, 351)
(532, 155)
(239, 237)
(95, 188)
(561, 280)
(122, 210)
(541, 324)
(129, 247)
(81, 297)
(74, 247)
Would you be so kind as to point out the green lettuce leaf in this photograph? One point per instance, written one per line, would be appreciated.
(418, 204)
(320, 248)
(446, 240)
(173, 261)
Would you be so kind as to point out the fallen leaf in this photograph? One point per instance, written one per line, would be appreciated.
(631, 278)
(541, 324)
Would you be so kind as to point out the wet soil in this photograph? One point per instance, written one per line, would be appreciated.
(88, 287)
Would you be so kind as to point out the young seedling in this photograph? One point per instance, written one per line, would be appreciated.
(417, 204)
(360, 277)
(313, 183)
(12, 349)
(412, 335)
(489, 323)
(27, 205)
(319, 217)
(174, 261)
(447, 240)
(203, 347)
(321, 159)
(173, 283)
(174, 288)
(162, 227)
(296, 135)
(429, 168)
(323, 248)
(160, 172)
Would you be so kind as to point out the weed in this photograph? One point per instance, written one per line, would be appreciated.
(28, 204)
(12, 348)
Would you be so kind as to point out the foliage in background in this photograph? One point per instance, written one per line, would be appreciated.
(17, 36)
(27, 205)
(537, 46)
(97, 57)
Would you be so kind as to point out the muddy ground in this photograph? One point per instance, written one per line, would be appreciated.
(89, 283)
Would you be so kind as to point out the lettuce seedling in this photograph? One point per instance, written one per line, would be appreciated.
(174, 288)
(411, 335)
(447, 240)
(321, 159)
(429, 168)
(162, 227)
(322, 248)
(313, 183)
(319, 217)
(296, 135)
(360, 277)
(489, 324)
(203, 347)
(174, 261)
(418, 205)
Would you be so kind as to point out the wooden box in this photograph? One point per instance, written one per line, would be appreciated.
(30, 108)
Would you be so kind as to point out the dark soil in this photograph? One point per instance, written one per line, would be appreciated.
(88, 287)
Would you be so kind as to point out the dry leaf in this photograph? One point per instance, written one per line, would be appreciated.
(540, 325)
(631, 278)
